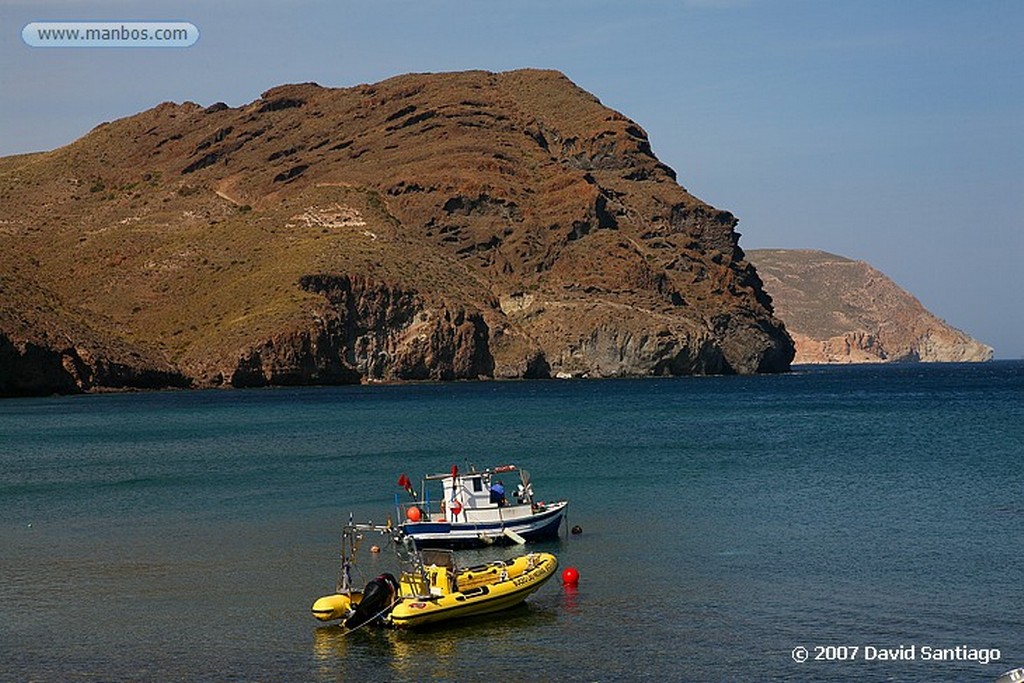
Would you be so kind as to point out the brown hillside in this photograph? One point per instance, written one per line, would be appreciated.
(427, 227)
(844, 311)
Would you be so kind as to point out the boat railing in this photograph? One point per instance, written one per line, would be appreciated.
(426, 510)
(435, 511)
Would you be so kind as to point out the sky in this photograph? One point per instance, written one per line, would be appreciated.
(890, 131)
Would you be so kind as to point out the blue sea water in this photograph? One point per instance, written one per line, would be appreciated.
(727, 521)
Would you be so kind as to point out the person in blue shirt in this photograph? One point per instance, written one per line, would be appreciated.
(498, 493)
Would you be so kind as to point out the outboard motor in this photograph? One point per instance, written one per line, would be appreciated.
(378, 598)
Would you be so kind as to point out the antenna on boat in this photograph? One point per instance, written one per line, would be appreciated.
(524, 476)
(347, 556)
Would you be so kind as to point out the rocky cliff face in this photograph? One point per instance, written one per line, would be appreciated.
(46, 349)
(445, 226)
(372, 332)
(844, 311)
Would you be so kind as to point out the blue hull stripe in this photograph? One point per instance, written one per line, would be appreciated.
(535, 526)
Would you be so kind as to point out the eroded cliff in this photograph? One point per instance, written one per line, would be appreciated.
(432, 226)
(843, 311)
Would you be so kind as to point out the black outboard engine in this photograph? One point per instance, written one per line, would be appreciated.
(378, 598)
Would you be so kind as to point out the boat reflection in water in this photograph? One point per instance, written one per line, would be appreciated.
(427, 654)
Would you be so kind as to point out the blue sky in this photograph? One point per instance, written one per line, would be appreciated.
(890, 131)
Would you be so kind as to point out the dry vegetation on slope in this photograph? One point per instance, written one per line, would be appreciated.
(426, 227)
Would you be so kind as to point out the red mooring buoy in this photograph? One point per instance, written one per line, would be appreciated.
(570, 577)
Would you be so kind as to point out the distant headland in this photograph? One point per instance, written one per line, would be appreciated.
(843, 311)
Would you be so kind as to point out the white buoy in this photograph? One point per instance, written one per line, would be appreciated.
(1012, 676)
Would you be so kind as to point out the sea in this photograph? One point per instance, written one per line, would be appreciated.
(861, 523)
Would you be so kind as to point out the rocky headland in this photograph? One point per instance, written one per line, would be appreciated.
(843, 311)
(428, 227)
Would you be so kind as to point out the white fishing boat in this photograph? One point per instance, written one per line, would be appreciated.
(474, 509)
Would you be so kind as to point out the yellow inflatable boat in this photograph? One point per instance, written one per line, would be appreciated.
(443, 592)
(431, 588)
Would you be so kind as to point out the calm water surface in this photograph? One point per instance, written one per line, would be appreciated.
(726, 522)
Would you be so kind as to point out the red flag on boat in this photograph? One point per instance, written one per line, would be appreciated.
(455, 475)
(404, 482)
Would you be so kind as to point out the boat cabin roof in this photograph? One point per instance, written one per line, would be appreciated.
(503, 469)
